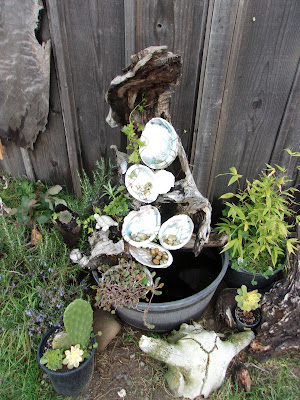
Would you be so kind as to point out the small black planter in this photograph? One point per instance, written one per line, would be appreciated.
(235, 279)
(69, 383)
(70, 231)
(242, 325)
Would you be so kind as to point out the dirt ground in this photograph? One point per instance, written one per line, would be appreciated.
(122, 365)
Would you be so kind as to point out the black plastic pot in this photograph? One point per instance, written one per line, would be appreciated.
(235, 279)
(242, 325)
(69, 383)
(169, 315)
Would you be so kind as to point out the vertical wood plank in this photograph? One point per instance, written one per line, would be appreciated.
(220, 28)
(12, 162)
(260, 77)
(288, 136)
(179, 25)
(263, 59)
(50, 156)
(59, 38)
(27, 164)
(129, 29)
(95, 32)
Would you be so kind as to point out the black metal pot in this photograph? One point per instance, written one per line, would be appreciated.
(69, 383)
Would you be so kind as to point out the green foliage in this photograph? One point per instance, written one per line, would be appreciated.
(119, 205)
(37, 203)
(78, 321)
(256, 222)
(88, 224)
(131, 131)
(90, 188)
(36, 284)
(61, 341)
(247, 301)
(52, 359)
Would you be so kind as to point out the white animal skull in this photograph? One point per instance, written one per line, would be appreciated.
(197, 358)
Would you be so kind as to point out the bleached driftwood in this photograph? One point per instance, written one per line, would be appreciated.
(197, 359)
(102, 251)
(152, 74)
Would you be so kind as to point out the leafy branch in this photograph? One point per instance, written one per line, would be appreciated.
(131, 129)
(256, 221)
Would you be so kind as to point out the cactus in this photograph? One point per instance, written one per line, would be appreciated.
(78, 322)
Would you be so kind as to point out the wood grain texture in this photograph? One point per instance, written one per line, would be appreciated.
(288, 136)
(261, 70)
(96, 51)
(218, 42)
(179, 25)
(50, 156)
(24, 73)
(129, 29)
(238, 97)
(12, 162)
(57, 25)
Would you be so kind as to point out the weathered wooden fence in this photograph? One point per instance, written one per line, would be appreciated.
(237, 103)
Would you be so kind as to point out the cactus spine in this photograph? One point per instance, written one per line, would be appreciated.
(78, 321)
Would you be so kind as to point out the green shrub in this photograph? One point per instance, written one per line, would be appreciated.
(256, 222)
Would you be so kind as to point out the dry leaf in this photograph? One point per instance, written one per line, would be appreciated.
(244, 378)
(36, 236)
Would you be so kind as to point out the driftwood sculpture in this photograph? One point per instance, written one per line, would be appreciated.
(152, 74)
(24, 73)
(197, 359)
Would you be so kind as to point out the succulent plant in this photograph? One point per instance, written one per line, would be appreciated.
(52, 359)
(73, 357)
(125, 284)
(78, 322)
(65, 216)
(247, 301)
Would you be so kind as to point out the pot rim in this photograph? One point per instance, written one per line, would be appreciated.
(245, 271)
(58, 373)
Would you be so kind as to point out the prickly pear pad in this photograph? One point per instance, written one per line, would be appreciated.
(78, 321)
